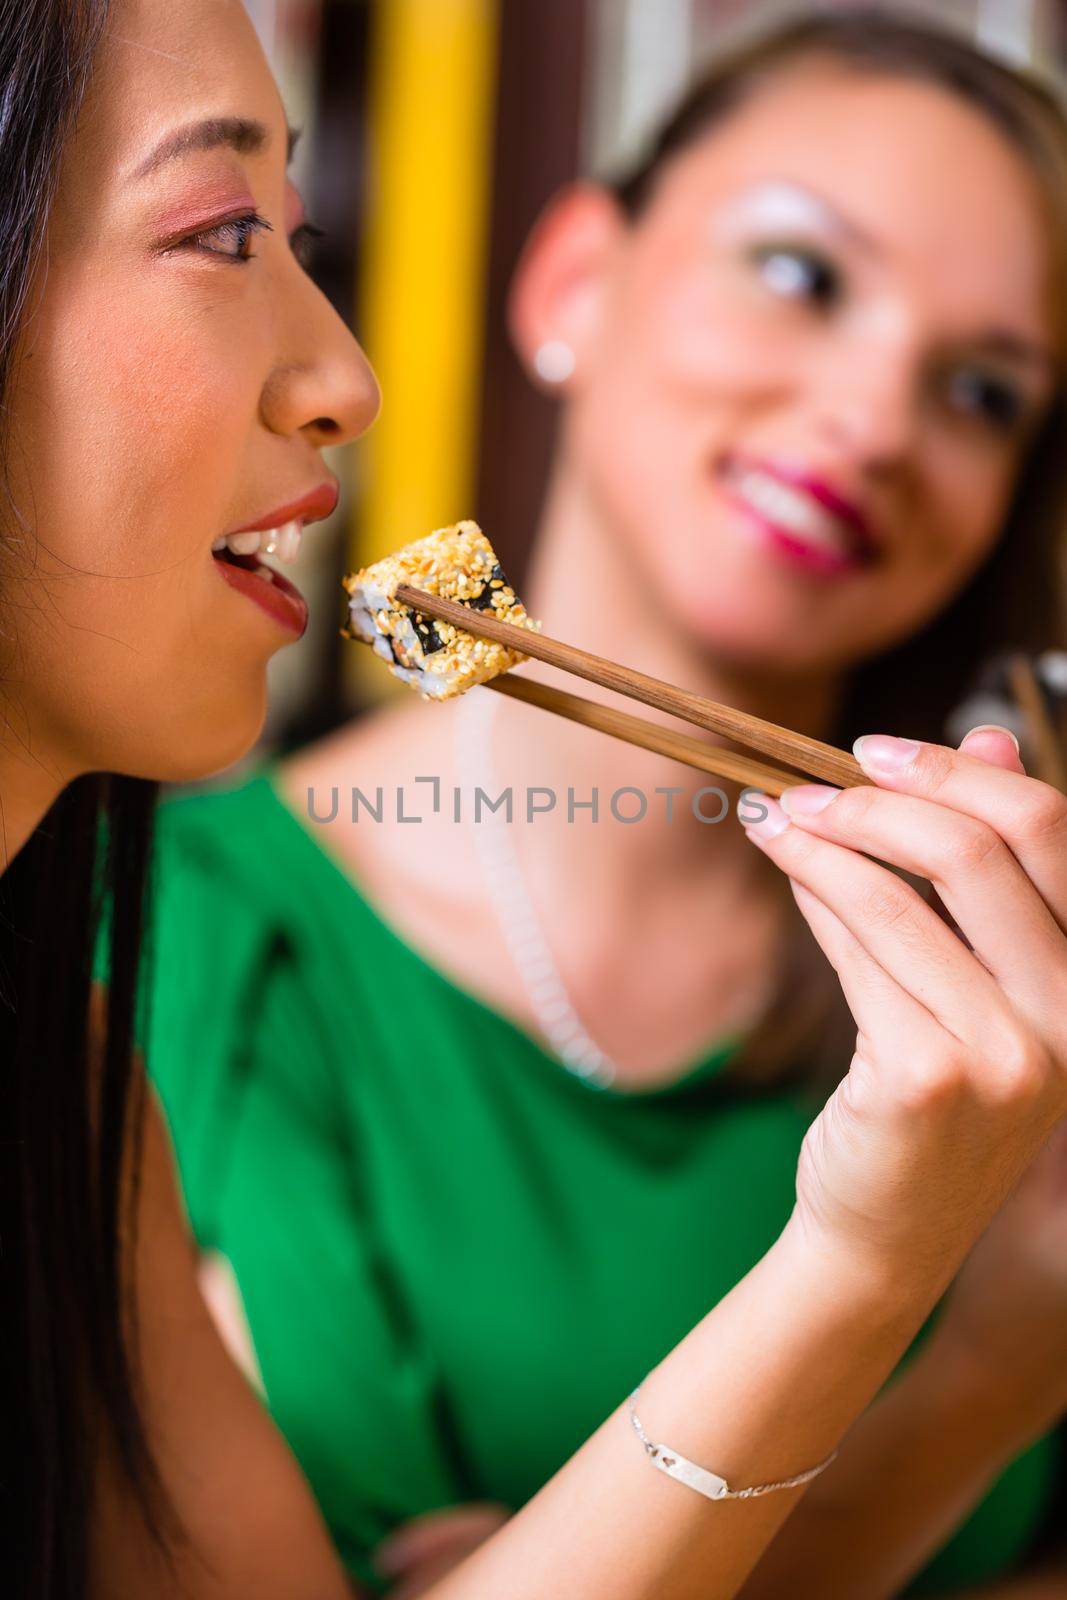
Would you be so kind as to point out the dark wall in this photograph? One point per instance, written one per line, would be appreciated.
(538, 116)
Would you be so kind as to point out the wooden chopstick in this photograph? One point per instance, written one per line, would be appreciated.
(796, 749)
(1043, 740)
(647, 735)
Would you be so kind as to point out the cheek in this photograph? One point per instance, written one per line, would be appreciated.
(676, 379)
(133, 419)
(683, 357)
(135, 422)
(692, 337)
(711, 338)
(970, 484)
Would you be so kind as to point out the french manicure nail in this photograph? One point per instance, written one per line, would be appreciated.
(991, 727)
(808, 799)
(882, 753)
(770, 826)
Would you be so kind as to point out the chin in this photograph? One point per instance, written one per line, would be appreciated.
(738, 604)
(739, 633)
(199, 745)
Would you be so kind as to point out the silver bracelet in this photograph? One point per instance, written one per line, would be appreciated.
(709, 1483)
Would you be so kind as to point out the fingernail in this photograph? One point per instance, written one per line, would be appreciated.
(991, 727)
(882, 753)
(807, 799)
(770, 826)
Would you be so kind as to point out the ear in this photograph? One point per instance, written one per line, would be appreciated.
(558, 290)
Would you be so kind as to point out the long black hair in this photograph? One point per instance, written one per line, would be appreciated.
(69, 1094)
(1017, 600)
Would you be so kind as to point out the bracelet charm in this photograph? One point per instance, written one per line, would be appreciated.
(709, 1484)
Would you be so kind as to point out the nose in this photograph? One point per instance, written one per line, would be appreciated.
(322, 385)
(869, 398)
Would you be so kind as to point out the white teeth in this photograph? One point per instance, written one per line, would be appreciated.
(243, 544)
(289, 541)
(284, 542)
(793, 510)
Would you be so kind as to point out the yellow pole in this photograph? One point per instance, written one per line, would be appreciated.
(423, 273)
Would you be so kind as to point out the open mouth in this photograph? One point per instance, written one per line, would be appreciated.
(247, 564)
(239, 559)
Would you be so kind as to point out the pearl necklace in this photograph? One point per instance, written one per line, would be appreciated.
(512, 903)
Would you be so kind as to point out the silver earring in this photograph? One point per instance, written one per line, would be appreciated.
(554, 361)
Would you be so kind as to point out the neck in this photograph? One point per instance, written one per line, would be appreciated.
(577, 556)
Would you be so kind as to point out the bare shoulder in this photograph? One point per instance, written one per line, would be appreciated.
(247, 1521)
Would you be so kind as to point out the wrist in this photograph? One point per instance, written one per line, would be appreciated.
(781, 1367)
(861, 1280)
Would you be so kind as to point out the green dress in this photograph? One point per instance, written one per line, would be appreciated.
(455, 1256)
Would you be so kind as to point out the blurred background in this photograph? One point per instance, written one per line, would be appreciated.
(433, 133)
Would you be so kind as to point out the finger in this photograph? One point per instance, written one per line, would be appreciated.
(997, 747)
(425, 1537)
(1030, 816)
(979, 880)
(895, 926)
(879, 1006)
(421, 1580)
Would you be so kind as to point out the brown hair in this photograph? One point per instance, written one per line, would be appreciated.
(1017, 601)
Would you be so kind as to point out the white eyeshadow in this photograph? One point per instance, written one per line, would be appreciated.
(775, 205)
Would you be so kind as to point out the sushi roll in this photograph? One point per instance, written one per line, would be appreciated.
(438, 660)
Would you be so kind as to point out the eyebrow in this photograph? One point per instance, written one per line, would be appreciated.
(1016, 347)
(242, 134)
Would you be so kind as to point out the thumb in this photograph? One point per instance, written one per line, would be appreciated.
(993, 744)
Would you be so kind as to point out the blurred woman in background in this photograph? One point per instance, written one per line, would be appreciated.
(480, 1116)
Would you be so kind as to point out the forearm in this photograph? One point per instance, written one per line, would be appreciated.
(763, 1388)
(907, 1475)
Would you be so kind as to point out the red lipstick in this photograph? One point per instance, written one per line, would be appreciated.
(280, 599)
(262, 584)
(825, 494)
(749, 483)
(313, 506)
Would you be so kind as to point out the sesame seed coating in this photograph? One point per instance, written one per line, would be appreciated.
(437, 659)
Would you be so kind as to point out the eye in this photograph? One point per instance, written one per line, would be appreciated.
(231, 239)
(986, 396)
(794, 272)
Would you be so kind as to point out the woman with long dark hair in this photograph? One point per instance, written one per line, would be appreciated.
(520, 1099)
(170, 377)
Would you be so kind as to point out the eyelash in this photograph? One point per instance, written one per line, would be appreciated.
(243, 229)
(1002, 408)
